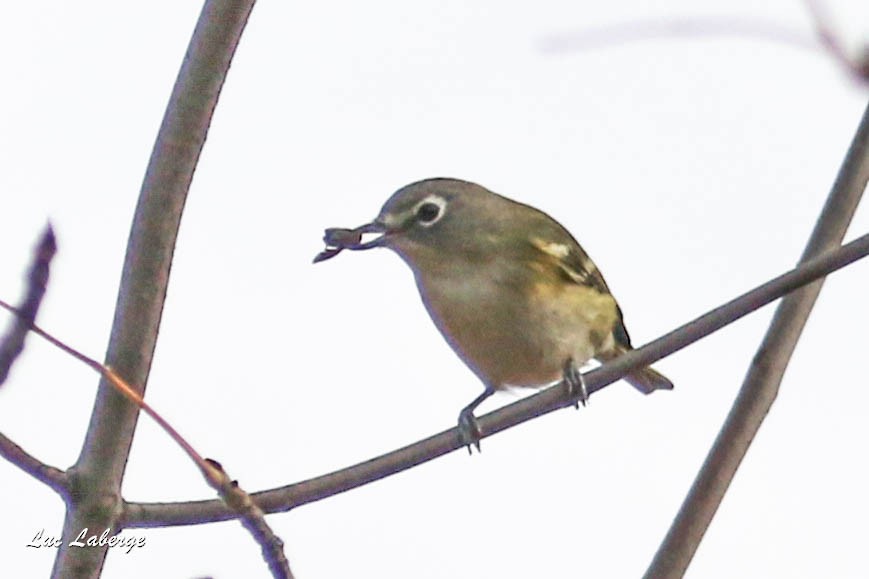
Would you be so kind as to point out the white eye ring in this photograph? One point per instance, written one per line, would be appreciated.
(430, 210)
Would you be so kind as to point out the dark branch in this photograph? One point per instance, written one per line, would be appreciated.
(291, 496)
(12, 344)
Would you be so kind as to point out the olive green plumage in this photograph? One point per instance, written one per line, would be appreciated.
(511, 290)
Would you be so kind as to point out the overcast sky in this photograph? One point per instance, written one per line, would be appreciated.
(690, 168)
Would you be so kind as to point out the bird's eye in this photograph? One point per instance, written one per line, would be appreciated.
(428, 212)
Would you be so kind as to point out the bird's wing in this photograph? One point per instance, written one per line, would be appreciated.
(573, 263)
(576, 266)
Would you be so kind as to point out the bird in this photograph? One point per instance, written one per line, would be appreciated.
(510, 289)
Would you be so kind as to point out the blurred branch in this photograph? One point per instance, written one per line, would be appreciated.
(760, 388)
(857, 65)
(12, 344)
(294, 495)
(96, 476)
(632, 31)
(718, 26)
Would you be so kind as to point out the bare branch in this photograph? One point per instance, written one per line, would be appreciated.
(254, 520)
(232, 494)
(12, 344)
(291, 496)
(51, 476)
(760, 388)
(633, 31)
(97, 475)
(719, 26)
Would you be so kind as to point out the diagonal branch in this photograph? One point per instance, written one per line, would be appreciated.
(294, 495)
(96, 477)
(857, 65)
(53, 477)
(760, 388)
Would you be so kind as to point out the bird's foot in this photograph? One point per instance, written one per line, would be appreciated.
(469, 430)
(575, 384)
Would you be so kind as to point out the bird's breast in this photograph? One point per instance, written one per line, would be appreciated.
(511, 329)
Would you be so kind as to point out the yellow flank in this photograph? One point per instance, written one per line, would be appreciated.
(567, 304)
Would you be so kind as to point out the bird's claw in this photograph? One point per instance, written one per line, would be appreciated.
(575, 384)
(469, 430)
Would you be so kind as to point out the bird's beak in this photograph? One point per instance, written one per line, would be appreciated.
(377, 227)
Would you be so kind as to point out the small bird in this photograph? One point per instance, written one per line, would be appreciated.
(510, 289)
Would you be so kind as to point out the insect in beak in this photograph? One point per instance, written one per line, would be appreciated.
(338, 239)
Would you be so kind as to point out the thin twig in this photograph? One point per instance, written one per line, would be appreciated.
(718, 26)
(294, 495)
(761, 384)
(236, 498)
(254, 520)
(12, 344)
(230, 492)
(633, 31)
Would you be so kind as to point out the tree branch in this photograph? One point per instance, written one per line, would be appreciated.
(12, 344)
(250, 515)
(51, 476)
(857, 65)
(760, 388)
(294, 495)
(95, 501)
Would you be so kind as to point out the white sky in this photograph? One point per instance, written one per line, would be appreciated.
(690, 169)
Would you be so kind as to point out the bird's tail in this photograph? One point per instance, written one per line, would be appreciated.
(646, 380)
